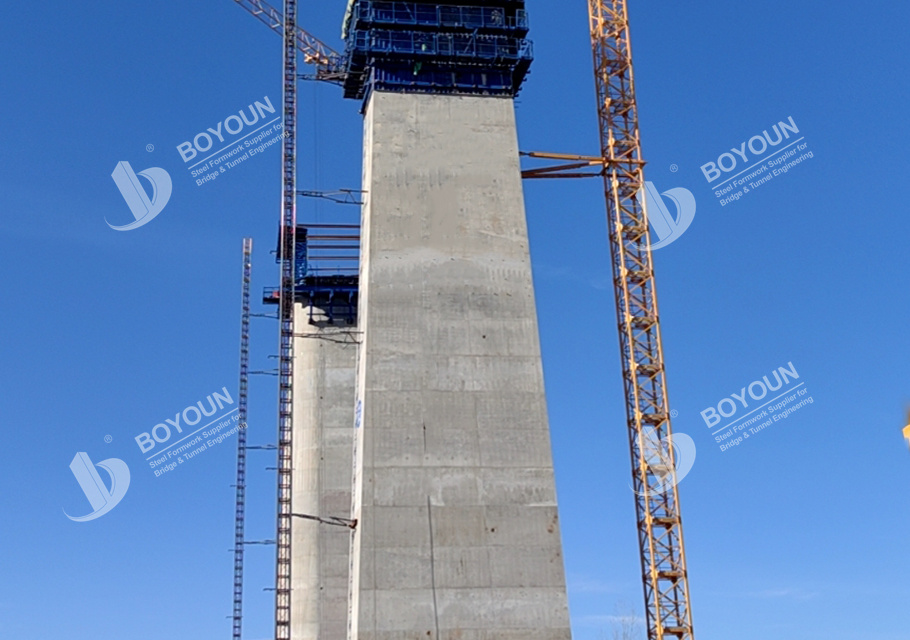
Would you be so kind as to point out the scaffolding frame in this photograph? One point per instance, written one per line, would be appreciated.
(466, 48)
(240, 500)
(286, 321)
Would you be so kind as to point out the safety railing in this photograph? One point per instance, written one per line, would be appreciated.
(442, 16)
(443, 45)
(479, 82)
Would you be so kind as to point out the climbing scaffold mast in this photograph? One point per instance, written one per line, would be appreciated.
(286, 321)
(240, 501)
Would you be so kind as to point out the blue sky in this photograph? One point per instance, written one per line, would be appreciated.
(798, 532)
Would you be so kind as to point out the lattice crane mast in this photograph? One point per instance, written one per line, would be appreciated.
(326, 61)
(240, 500)
(288, 246)
(329, 67)
(660, 537)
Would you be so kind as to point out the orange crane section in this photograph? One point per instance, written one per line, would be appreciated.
(660, 536)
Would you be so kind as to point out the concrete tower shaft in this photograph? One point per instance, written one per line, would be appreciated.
(458, 534)
(325, 357)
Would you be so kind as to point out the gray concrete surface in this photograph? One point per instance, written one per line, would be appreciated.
(325, 357)
(458, 535)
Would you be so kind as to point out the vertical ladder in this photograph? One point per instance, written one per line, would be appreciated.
(240, 502)
(286, 321)
(663, 558)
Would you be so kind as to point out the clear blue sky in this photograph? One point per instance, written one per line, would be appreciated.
(798, 533)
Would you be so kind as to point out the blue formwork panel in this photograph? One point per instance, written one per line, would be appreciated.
(443, 81)
(300, 256)
(368, 14)
(336, 296)
(473, 48)
(466, 48)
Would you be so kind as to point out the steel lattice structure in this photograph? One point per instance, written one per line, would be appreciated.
(328, 62)
(240, 502)
(286, 321)
(314, 50)
(666, 586)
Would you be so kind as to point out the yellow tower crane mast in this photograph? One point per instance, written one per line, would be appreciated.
(660, 536)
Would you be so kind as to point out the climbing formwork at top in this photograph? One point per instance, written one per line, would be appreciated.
(470, 48)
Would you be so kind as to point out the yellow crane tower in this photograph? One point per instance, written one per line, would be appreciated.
(660, 536)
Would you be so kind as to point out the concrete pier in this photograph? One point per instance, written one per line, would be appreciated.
(325, 357)
(458, 534)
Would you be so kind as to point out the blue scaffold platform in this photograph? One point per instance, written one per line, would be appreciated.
(325, 271)
(466, 48)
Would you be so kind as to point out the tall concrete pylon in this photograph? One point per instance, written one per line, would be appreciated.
(325, 358)
(457, 533)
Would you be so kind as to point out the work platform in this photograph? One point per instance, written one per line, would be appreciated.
(325, 273)
(466, 48)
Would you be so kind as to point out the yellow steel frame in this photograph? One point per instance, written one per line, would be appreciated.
(571, 166)
(660, 536)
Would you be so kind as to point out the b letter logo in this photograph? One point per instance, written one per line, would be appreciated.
(667, 228)
(99, 496)
(669, 459)
(144, 208)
